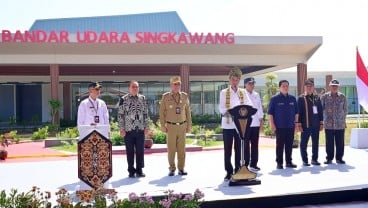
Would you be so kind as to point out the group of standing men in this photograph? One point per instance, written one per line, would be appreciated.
(133, 121)
(309, 114)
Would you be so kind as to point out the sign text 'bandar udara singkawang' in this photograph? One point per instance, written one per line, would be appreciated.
(41, 36)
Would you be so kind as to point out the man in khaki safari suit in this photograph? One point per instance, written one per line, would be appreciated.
(176, 121)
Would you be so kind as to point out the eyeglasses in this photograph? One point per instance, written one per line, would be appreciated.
(176, 84)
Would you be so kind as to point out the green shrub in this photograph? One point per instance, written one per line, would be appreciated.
(42, 133)
(364, 125)
(267, 130)
(159, 137)
(205, 142)
(202, 119)
(114, 126)
(218, 130)
(195, 129)
(15, 136)
(116, 139)
(69, 133)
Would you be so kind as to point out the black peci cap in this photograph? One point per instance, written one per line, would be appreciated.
(95, 85)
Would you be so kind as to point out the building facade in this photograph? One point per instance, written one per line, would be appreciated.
(57, 58)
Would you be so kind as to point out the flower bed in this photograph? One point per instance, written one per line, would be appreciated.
(100, 198)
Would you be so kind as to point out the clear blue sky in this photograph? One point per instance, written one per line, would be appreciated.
(342, 23)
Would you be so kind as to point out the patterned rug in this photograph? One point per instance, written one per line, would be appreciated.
(95, 159)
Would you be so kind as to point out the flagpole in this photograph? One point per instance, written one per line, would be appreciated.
(358, 99)
(358, 115)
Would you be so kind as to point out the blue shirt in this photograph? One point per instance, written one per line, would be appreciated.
(283, 108)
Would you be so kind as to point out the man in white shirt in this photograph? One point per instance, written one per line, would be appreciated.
(92, 110)
(229, 98)
(251, 145)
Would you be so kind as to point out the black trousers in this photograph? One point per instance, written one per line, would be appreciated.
(230, 136)
(284, 141)
(251, 147)
(335, 137)
(309, 132)
(134, 145)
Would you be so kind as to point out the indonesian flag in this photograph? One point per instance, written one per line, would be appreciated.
(362, 83)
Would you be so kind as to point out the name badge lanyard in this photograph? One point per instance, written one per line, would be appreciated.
(96, 118)
(178, 110)
(313, 99)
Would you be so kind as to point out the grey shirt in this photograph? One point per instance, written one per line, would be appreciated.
(133, 113)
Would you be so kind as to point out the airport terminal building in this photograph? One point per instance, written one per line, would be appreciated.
(57, 58)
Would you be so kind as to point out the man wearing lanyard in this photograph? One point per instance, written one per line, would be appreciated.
(310, 122)
(133, 123)
(176, 121)
(229, 98)
(93, 111)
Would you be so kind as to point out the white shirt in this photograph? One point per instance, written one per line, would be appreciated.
(234, 101)
(257, 103)
(90, 108)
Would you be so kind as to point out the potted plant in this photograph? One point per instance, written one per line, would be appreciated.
(148, 141)
(3, 152)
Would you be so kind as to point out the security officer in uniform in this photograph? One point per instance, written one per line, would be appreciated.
(176, 121)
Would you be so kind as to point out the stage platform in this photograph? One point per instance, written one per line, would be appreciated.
(279, 188)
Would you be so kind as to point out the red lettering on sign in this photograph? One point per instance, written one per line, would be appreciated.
(53, 37)
(114, 37)
(182, 38)
(195, 38)
(18, 37)
(124, 38)
(6, 36)
(139, 37)
(41, 36)
(103, 38)
(64, 36)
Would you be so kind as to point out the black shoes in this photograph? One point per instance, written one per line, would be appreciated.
(227, 177)
(328, 162)
(306, 164)
(315, 162)
(182, 172)
(140, 175)
(279, 166)
(340, 161)
(255, 167)
(290, 165)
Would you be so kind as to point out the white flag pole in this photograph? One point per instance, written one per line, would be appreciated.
(358, 114)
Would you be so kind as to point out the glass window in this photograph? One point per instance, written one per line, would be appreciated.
(196, 98)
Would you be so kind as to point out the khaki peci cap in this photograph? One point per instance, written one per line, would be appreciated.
(95, 85)
(175, 79)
